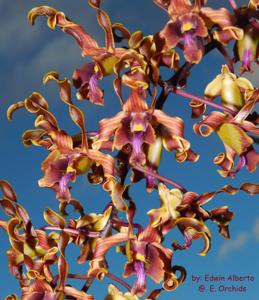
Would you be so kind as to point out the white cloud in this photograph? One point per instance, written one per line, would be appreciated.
(240, 241)
(233, 244)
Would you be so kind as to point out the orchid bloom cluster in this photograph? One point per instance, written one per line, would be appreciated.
(132, 141)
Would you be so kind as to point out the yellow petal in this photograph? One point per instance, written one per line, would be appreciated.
(234, 137)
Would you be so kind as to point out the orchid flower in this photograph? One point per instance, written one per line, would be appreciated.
(246, 49)
(189, 24)
(232, 130)
(64, 161)
(137, 125)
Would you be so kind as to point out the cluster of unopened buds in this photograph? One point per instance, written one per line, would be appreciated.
(135, 138)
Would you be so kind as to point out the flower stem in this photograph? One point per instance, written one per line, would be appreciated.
(77, 276)
(122, 223)
(119, 280)
(199, 99)
(73, 231)
(87, 284)
(159, 177)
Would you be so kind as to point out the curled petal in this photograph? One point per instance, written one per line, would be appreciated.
(222, 216)
(64, 85)
(53, 218)
(75, 293)
(228, 34)
(7, 191)
(194, 229)
(62, 262)
(171, 282)
(56, 18)
(116, 191)
(105, 22)
(124, 32)
(210, 123)
(12, 108)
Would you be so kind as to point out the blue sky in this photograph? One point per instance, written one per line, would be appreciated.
(26, 54)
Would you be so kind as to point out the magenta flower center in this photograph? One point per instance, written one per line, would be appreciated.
(246, 58)
(63, 183)
(141, 276)
(137, 141)
(188, 38)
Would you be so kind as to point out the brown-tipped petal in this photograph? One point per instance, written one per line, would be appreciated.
(227, 34)
(169, 58)
(225, 161)
(56, 18)
(62, 262)
(195, 230)
(7, 191)
(12, 108)
(136, 78)
(198, 108)
(78, 117)
(171, 282)
(135, 39)
(8, 207)
(116, 191)
(54, 218)
(75, 203)
(64, 85)
(105, 22)
(124, 32)
(222, 216)
(33, 137)
(48, 11)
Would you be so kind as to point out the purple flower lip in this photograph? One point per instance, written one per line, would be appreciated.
(93, 81)
(188, 38)
(246, 58)
(63, 183)
(140, 284)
